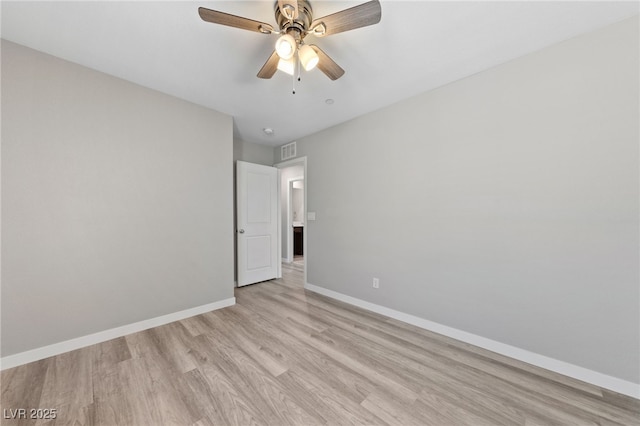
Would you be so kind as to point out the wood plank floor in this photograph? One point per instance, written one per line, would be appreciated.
(287, 356)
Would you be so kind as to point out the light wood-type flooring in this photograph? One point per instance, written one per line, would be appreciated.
(286, 356)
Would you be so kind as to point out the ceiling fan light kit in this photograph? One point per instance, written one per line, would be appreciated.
(286, 46)
(308, 57)
(287, 66)
(295, 21)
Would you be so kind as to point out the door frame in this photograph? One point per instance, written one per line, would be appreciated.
(282, 165)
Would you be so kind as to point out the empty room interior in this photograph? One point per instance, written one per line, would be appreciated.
(302, 212)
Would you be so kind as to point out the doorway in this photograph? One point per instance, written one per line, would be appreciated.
(297, 223)
(293, 209)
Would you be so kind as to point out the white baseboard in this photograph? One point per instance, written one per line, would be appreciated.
(593, 377)
(102, 336)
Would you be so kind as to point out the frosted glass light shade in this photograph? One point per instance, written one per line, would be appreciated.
(308, 57)
(286, 46)
(287, 65)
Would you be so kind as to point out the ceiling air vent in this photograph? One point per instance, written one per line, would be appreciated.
(288, 151)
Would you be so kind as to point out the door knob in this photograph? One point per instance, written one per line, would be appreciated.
(240, 231)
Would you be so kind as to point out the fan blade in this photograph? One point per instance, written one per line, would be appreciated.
(289, 8)
(270, 67)
(327, 65)
(222, 18)
(349, 19)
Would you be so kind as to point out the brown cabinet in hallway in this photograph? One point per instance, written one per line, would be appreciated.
(298, 240)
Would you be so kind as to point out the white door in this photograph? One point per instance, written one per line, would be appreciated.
(257, 221)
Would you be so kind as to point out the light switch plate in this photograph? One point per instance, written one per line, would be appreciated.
(311, 215)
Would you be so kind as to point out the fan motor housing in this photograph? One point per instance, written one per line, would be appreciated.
(299, 26)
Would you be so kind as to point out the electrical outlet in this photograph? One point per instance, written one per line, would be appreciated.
(376, 283)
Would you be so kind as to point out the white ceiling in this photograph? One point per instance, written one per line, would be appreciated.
(417, 46)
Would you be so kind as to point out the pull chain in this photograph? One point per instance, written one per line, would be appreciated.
(295, 67)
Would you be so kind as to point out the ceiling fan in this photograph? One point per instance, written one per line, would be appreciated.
(295, 21)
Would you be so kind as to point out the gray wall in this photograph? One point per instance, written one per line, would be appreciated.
(116, 202)
(504, 204)
(252, 153)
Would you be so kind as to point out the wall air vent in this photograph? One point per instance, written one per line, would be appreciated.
(288, 151)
